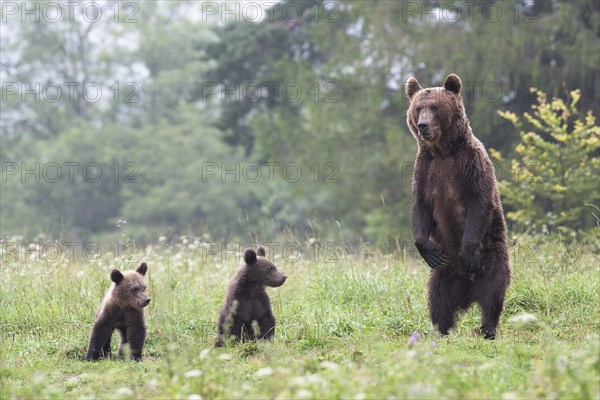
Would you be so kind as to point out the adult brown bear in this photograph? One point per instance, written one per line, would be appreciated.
(458, 224)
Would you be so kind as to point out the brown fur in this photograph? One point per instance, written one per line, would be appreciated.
(458, 224)
(122, 309)
(248, 301)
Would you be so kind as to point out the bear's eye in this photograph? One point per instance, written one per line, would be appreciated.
(418, 109)
(435, 108)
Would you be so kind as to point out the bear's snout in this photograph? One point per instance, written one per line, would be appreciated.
(424, 130)
(278, 281)
(147, 301)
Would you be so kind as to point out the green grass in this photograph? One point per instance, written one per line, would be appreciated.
(342, 332)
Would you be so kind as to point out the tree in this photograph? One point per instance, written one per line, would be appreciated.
(553, 183)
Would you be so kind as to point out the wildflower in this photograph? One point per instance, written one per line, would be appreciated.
(414, 338)
(330, 365)
(124, 391)
(263, 372)
(204, 353)
(523, 318)
(193, 373)
(304, 394)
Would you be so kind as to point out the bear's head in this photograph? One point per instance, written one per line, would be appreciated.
(130, 287)
(259, 270)
(434, 112)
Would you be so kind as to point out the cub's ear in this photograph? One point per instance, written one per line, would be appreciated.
(453, 83)
(142, 269)
(116, 276)
(249, 256)
(260, 251)
(412, 87)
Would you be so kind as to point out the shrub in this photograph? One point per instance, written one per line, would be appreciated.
(553, 186)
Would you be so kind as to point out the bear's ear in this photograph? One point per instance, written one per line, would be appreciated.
(142, 269)
(116, 276)
(249, 256)
(260, 251)
(453, 83)
(412, 87)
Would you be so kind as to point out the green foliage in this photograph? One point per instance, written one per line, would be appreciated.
(350, 59)
(343, 326)
(555, 179)
(169, 193)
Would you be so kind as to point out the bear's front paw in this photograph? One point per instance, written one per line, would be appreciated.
(432, 253)
(470, 257)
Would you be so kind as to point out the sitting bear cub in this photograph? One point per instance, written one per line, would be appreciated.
(121, 309)
(248, 301)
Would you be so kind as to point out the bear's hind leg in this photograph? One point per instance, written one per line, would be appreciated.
(230, 333)
(267, 326)
(447, 295)
(246, 331)
(489, 292)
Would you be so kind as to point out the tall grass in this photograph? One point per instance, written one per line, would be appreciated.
(342, 331)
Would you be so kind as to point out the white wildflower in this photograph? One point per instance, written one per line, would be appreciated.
(204, 353)
(264, 372)
(330, 365)
(304, 394)
(193, 373)
(523, 318)
(124, 391)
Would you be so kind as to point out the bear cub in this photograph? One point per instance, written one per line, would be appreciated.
(247, 300)
(458, 224)
(122, 309)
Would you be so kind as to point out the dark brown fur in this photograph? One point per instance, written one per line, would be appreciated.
(248, 301)
(458, 224)
(122, 309)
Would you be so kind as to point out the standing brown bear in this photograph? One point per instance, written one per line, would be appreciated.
(121, 309)
(248, 301)
(458, 224)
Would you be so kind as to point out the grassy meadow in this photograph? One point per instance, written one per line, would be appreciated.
(344, 326)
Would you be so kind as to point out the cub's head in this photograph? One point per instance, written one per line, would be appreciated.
(432, 111)
(260, 270)
(130, 287)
